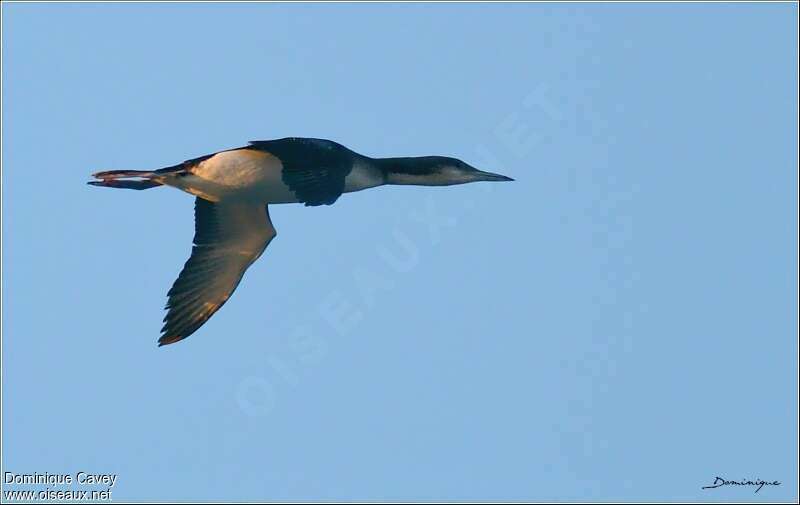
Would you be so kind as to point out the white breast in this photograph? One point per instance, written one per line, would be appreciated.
(241, 173)
(362, 176)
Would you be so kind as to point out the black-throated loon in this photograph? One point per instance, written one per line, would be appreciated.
(235, 187)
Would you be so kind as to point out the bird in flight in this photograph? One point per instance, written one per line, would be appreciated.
(233, 190)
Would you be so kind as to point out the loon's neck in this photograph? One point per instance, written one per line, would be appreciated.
(407, 170)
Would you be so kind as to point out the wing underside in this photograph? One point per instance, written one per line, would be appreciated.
(228, 238)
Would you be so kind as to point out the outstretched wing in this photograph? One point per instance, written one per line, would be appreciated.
(314, 169)
(228, 238)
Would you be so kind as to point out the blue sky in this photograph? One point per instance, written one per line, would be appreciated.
(618, 324)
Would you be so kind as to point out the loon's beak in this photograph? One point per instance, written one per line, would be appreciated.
(488, 176)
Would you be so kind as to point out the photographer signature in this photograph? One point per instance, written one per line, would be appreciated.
(719, 482)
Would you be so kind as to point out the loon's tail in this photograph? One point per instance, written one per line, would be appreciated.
(128, 179)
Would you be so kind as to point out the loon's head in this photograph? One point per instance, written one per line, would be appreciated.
(435, 171)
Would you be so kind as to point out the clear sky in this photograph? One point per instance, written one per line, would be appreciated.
(618, 324)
